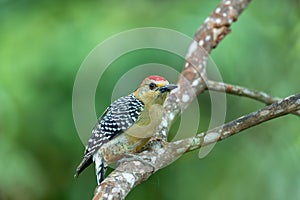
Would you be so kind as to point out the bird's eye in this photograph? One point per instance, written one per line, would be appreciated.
(152, 86)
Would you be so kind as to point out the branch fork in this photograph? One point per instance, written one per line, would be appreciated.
(193, 81)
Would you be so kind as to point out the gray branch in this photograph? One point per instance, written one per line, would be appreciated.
(131, 173)
(282, 107)
(243, 91)
(193, 77)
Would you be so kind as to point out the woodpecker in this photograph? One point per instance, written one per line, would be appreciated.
(126, 125)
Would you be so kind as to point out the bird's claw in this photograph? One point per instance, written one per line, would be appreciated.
(157, 142)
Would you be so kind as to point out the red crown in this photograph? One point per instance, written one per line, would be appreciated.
(156, 78)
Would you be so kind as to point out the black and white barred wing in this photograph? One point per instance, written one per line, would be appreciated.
(117, 118)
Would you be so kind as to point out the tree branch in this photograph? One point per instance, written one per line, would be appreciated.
(131, 173)
(193, 77)
(192, 82)
(243, 91)
(282, 107)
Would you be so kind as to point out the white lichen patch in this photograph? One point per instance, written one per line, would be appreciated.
(227, 2)
(164, 123)
(129, 178)
(297, 102)
(105, 195)
(171, 116)
(185, 98)
(201, 42)
(246, 91)
(225, 134)
(153, 159)
(180, 150)
(217, 32)
(200, 66)
(192, 48)
(177, 142)
(218, 20)
(160, 151)
(110, 197)
(115, 190)
(242, 117)
(207, 38)
(118, 178)
(218, 10)
(163, 133)
(206, 20)
(201, 134)
(196, 82)
(136, 163)
(264, 95)
(211, 137)
(264, 112)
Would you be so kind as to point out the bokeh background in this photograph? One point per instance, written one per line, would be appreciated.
(42, 45)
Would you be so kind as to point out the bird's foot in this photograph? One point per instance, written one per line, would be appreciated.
(157, 142)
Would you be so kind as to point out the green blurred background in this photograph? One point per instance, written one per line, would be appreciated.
(43, 43)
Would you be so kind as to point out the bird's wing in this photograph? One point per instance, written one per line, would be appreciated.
(117, 118)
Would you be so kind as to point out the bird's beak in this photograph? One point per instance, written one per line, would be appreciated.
(167, 88)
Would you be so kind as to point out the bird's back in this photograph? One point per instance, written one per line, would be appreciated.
(117, 118)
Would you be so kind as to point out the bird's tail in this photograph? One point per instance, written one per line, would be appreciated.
(86, 161)
(100, 166)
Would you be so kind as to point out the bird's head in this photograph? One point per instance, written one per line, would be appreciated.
(153, 90)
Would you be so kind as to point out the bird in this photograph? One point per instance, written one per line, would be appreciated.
(126, 125)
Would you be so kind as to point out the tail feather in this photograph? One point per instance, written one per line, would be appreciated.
(100, 167)
(86, 161)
